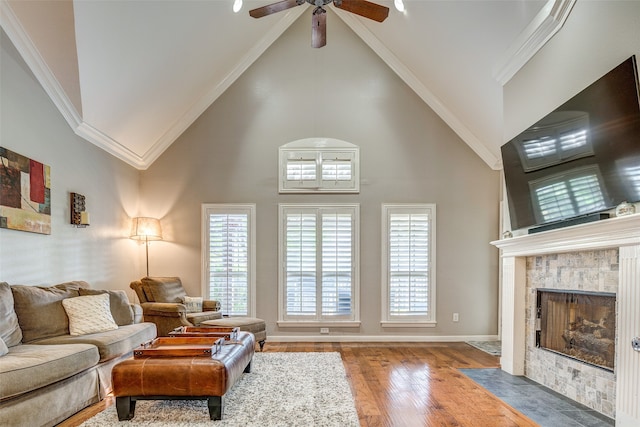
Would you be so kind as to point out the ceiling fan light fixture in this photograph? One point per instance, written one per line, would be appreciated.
(399, 4)
(237, 5)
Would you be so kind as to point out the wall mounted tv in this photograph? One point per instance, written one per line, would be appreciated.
(582, 158)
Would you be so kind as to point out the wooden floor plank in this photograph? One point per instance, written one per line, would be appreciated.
(404, 384)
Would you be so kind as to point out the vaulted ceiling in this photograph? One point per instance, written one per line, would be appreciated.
(131, 76)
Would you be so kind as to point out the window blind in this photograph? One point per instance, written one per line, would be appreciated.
(319, 263)
(229, 262)
(408, 264)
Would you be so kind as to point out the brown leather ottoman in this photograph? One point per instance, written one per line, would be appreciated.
(256, 326)
(182, 377)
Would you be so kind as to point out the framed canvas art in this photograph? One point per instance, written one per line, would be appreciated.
(25, 193)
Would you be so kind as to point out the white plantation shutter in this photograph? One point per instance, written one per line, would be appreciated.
(337, 263)
(318, 258)
(319, 170)
(408, 264)
(300, 169)
(337, 170)
(301, 263)
(229, 257)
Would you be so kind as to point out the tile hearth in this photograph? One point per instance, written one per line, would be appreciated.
(541, 404)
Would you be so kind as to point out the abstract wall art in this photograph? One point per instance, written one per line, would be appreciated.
(25, 193)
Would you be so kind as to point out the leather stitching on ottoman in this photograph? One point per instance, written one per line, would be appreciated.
(254, 325)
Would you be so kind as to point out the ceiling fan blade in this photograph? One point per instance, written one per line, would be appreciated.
(319, 29)
(273, 8)
(364, 8)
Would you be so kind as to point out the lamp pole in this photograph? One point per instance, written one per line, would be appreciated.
(146, 247)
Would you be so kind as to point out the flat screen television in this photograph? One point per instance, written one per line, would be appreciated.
(580, 159)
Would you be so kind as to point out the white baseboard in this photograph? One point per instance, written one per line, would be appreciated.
(380, 338)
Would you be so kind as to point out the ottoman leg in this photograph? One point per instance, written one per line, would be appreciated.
(215, 404)
(261, 344)
(126, 407)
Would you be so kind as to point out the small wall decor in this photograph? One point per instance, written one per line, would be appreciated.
(25, 193)
(79, 215)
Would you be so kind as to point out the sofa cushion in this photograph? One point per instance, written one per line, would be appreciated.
(10, 331)
(3, 348)
(112, 343)
(39, 309)
(29, 367)
(163, 289)
(121, 309)
(89, 314)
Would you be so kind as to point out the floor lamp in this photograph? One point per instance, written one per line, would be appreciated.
(146, 229)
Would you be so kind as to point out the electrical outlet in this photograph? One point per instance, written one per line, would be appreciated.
(324, 330)
(456, 317)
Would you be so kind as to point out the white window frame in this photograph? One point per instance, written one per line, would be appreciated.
(353, 320)
(224, 208)
(389, 320)
(318, 152)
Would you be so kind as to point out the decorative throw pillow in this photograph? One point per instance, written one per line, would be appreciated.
(89, 314)
(193, 304)
(119, 303)
(10, 332)
(3, 348)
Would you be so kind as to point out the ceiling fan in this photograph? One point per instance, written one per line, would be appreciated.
(363, 8)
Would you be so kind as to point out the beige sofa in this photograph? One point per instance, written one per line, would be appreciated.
(47, 374)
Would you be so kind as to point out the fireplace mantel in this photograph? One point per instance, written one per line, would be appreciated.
(609, 233)
(622, 233)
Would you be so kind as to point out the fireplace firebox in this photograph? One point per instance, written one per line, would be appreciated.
(580, 325)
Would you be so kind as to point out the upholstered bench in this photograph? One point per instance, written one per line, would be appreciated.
(254, 325)
(182, 377)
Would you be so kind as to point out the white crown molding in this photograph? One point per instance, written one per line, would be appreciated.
(544, 26)
(31, 56)
(420, 89)
(381, 338)
(25, 46)
(111, 146)
(210, 97)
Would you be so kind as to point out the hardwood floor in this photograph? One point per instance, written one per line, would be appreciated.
(404, 384)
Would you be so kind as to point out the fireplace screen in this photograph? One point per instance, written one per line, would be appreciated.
(580, 325)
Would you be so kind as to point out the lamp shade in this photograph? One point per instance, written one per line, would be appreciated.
(144, 228)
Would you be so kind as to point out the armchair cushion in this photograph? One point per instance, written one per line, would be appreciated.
(163, 289)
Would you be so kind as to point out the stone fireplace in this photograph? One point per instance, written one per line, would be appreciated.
(602, 257)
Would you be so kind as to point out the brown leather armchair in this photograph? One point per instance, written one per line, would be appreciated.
(162, 299)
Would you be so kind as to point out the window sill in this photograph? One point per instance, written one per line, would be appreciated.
(318, 324)
(417, 324)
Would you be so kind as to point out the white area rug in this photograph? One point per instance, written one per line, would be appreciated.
(283, 389)
(494, 348)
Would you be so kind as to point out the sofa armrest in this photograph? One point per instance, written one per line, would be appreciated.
(211, 305)
(137, 313)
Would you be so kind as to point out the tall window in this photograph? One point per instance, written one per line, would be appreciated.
(408, 265)
(229, 257)
(319, 264)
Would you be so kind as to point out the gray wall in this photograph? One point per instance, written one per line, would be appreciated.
(597, 36)
(407, 154)
(101, 254)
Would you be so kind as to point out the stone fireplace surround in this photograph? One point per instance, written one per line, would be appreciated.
(621, 234)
